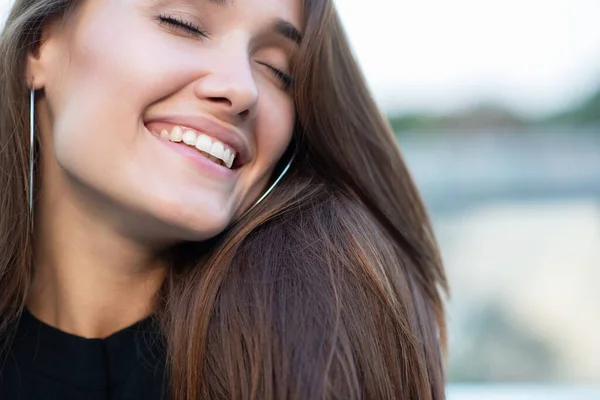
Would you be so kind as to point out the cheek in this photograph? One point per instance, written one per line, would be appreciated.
(275, 125)
(108, 73)
(273, 132)
(125, 58)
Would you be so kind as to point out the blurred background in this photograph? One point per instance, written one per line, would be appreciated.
(496, 106)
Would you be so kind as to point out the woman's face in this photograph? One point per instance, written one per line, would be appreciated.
(175, 111)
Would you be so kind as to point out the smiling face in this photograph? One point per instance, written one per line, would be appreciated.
(175, 111)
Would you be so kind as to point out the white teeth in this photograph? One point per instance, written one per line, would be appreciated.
(217, 150)
(176, 134)
(203, 143)
(189, 138)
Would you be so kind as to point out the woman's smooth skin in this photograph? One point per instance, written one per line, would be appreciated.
(113, 193)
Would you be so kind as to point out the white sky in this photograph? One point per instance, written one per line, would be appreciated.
(533, 55)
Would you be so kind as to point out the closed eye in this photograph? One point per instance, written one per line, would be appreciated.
(182, 25)
(286, 80)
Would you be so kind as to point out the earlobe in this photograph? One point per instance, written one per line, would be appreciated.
(34, 71)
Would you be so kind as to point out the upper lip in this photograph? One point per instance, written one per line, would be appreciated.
(217, 130)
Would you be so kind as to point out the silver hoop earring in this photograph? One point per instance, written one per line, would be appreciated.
(270, 189)
(31, 146)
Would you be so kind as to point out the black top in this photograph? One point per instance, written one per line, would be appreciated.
(44, 363)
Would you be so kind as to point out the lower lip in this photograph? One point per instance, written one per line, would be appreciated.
(200, 161)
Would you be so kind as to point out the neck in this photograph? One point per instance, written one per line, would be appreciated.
(89, 278)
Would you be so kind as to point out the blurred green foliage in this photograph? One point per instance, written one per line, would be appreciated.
(414, 122)
(490, 116)
(586, 113)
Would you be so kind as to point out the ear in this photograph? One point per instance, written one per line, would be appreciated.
(39, 58)
(34, 72)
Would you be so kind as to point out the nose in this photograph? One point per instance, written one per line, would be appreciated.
(229, 86)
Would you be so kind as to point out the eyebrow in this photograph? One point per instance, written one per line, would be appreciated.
(286, 29)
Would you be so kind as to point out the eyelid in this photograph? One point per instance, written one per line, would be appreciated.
(180, 23)
(286, 79)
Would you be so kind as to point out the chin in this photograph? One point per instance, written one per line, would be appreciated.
(200, 225)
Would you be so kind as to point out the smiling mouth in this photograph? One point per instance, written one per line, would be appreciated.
(213, 149)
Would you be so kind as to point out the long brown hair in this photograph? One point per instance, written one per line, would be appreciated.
(332, 288)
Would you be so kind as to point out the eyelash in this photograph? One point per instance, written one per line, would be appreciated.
(189, 27)
(286, 79)
(181, 24)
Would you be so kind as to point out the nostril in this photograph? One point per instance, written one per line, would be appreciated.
(221, 100)
(231, 106)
